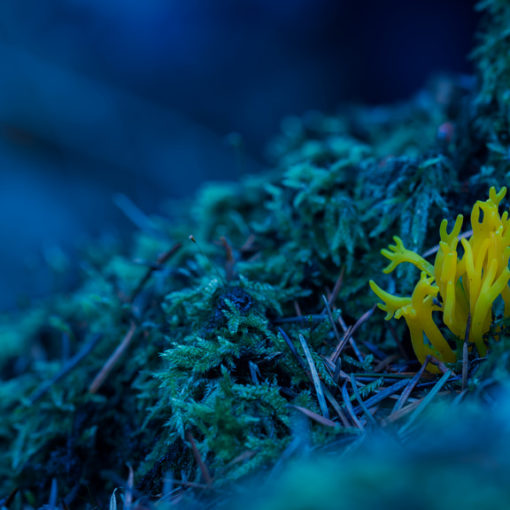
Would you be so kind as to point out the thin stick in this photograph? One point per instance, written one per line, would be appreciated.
(364, 408)
(112, 360)
(383, 394)
(423, 404)
(85, 350)
(335, 370)
(340, 347)
(410, 387)
(315, 377)
(327, 393)
(363, 319)
(436, 248)
(331, 320)
(300, 318)
(385, 362)
(336, 406)
(159, 262)
(349, 408)
(246, 455)
(351, 338)
(336, 288)
(293, 350)
(439, 364)
(231, 261)
(199, 460)
(317, 417)
(349, 333)
(401, 412)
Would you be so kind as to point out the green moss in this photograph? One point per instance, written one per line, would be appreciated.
(207, 359)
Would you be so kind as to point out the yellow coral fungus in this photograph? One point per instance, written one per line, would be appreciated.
(462, 289)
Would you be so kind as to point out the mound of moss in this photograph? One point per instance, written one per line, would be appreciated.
(186, 363)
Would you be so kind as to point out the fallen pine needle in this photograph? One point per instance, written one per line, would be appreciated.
(113, 360)
(316, 417)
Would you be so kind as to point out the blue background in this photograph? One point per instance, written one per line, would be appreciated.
(137, 97)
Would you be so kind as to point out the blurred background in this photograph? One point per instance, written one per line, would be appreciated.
(139, 98)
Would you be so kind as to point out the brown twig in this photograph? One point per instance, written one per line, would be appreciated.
(230, 259)
(435, 249)
(336, 406)
(340, 347)
(154, 267)
(328, 304)
(348, 334)
(352, 342)
(198, 458)
(385, 362)
(336, 288)
(335, 370)
(401, 412)
(409, 388)
(363, 319)
(246, 455)
(112, 360)
(316, 417)
(439, 364)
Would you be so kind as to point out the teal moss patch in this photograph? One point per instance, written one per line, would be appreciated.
(207, 363)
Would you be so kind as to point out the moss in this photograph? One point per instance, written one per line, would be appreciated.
(215, 372)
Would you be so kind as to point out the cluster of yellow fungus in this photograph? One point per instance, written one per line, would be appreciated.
(463, 288)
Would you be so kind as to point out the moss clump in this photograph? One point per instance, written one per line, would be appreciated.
(199, 361)
(383, 473)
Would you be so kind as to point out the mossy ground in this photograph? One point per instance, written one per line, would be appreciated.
(184, 365)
